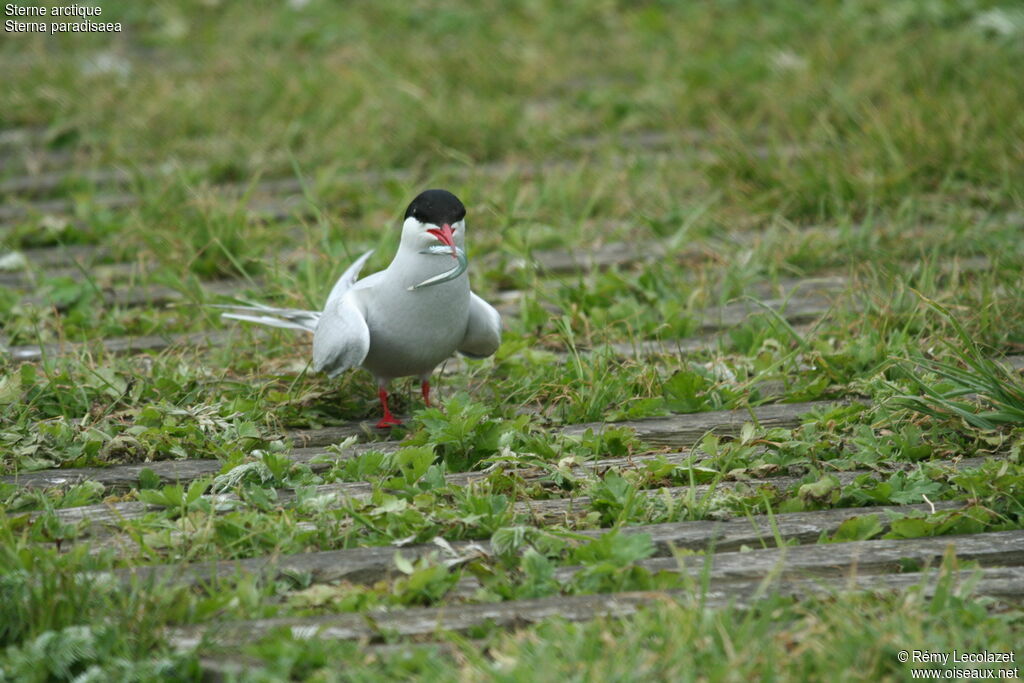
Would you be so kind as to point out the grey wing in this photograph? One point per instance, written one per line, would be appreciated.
(342, 339)
(483, 331)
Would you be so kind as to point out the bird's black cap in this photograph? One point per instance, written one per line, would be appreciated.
(436, 207)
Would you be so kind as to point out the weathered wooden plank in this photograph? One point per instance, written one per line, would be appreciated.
(371, 564)
(1000, 582)
(57, 262)
(41, 183)
(538, 512)
(676, 430)
(997, 548)
(679, 430)
(150, 294)
(23, 135)
(64, 256)
(734, 533)
(100, 275)
(319, 438)
(236, 667)
(566, 260)
(796, 310)
(97, 273)
(50, 181)
(120, 345)
(557, 261)
(34, 160)
(79, 263)
(810, 300)
(559, 509)
(19, 210)
(12, 211)
(169, 471)
(1002, 548)
(158, 295)
(115, 513)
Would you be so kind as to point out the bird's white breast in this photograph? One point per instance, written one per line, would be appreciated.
(412, 332)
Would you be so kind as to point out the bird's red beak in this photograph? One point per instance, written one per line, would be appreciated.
(446, 235)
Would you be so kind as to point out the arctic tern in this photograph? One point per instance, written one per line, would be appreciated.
(406, 319)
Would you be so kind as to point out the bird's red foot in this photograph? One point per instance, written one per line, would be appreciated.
(388, 421)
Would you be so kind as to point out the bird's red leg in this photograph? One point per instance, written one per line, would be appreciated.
(388, 420)
(425, 388)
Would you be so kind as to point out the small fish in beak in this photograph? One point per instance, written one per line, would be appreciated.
(446, 236)
(448, 275)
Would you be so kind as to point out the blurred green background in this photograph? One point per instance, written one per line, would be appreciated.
(891, 103)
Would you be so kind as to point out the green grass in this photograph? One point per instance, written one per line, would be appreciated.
(849, 638)
(876, 141)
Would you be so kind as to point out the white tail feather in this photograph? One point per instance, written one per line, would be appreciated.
(272, 322)
(294, 318)
(286, 318)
